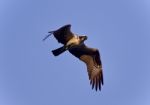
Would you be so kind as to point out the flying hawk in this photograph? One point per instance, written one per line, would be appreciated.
(75, 45)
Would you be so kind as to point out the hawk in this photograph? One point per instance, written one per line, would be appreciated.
(75, 45)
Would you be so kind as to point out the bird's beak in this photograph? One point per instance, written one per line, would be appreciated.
(85, 37)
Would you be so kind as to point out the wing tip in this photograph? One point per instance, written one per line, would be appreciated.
(97, 83)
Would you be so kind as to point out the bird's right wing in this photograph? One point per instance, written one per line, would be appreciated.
(91, 58)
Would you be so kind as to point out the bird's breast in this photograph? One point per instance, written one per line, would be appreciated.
(73, 41)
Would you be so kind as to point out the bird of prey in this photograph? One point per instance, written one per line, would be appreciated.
(75, 45)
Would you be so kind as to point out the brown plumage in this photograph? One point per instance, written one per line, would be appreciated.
(91, 58)
(75, 45)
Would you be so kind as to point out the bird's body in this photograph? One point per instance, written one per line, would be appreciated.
(74, 40)
(75, 45)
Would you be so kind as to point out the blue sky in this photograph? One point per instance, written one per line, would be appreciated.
(31, 75)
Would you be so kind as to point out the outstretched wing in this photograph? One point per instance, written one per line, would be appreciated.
(63, 34)
(91, 58)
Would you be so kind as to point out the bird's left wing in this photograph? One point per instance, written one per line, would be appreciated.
(91, 58)
(63, 34)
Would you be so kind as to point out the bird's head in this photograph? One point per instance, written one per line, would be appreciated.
(83, 38)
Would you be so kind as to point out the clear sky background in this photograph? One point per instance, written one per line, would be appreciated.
(31, 75)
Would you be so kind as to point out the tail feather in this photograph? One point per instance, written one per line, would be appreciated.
(58, 51)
